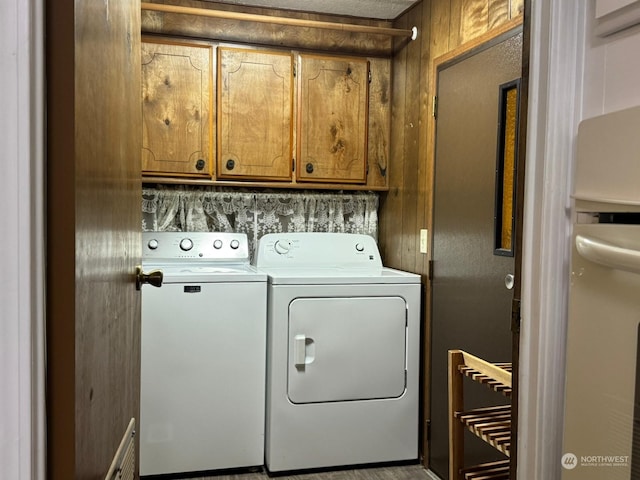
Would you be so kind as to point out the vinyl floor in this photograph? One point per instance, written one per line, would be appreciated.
(403, 472)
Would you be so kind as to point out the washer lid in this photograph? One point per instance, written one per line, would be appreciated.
(208, 273)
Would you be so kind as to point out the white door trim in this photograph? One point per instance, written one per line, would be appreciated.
(555, 101)
(22, 372)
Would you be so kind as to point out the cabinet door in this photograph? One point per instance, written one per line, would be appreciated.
(255, 114)
(332, 119)
(177, 124)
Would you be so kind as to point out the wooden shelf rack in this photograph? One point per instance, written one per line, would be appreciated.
(491, 424)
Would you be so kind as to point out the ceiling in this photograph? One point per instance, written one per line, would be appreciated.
(378, 9)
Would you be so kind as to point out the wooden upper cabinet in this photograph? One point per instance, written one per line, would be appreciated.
(255, 127)
(177, 121)
(333, 95)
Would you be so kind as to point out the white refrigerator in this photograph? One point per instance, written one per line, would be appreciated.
(601, 427)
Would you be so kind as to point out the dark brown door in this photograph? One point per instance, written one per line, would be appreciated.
(473, 229)
(93, 232)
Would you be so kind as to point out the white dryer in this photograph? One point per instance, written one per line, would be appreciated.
(343, 341)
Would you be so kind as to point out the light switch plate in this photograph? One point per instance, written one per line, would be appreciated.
(424, 240)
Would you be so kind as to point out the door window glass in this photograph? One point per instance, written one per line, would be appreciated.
(506, 168)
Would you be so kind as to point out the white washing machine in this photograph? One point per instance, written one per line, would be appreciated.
(343, 341)
(203, 355)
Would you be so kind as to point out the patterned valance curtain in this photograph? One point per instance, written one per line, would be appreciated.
(201, 209)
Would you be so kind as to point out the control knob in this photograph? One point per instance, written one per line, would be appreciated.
(152, 244)
(234, 244)
(217, 244)
(186, 244)
(359, 247)
(282, 247)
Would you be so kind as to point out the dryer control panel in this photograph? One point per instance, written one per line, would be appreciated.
(315, 249)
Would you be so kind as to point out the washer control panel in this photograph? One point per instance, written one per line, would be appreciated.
(317, 249)
(195, 246)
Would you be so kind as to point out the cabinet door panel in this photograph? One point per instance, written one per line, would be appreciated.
(176, 109)
(332, 119)
(255, 114)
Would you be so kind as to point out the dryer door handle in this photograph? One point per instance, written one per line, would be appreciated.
(299, 350)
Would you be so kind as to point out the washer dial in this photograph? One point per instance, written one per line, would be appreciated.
(186, 244)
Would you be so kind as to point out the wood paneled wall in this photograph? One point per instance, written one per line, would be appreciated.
(444, 26)
(267, 34)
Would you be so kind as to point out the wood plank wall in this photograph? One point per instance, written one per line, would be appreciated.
(273, 35)
(443, 27)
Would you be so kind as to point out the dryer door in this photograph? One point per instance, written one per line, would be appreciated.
(346, 349)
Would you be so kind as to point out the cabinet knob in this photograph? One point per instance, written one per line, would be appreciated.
(309, 168)
(230, 164)
(200, 164)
